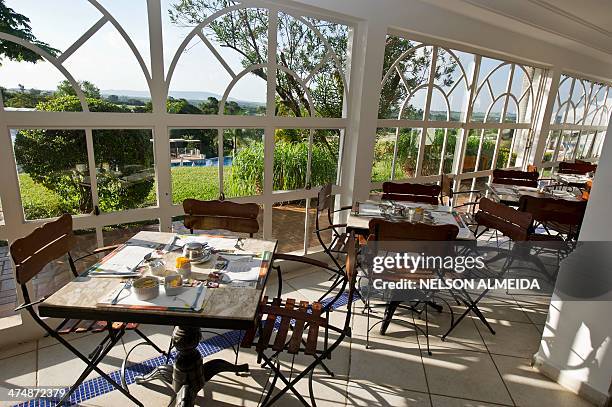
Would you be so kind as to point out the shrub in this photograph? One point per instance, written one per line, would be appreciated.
(290, 162)
(57, 159)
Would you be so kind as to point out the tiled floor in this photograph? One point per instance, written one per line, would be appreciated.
(471, 368)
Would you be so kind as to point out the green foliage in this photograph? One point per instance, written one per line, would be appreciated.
(57, 159)
(64, 88)
(195, 182)
(18, 25)
(22, 97)
(290, 162)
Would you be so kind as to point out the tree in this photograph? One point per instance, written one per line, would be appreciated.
(18, 25)
(64, 88)
(58, 160)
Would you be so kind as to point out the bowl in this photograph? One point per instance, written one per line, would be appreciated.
(173, 284)
(157, 267)
(146, 288)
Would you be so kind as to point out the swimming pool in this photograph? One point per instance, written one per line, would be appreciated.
(203, 162)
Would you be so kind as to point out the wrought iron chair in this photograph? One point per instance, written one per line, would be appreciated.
(226, 215)
(554, 215)
(411, 192)
(30, 255)
(466, 208)
(417, 238)
(306, 322)
(519, 178)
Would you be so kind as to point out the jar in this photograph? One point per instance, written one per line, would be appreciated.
(183, 266)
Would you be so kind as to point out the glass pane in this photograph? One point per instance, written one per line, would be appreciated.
(504, 159)
(125, 169)
(302, 49)
(53, 172)
(598, 143)
(291, 158)
(568, 145)
(474, 146)
(452, 68)
(438, 143)
(551, 144)
(235, 41)
(584, 144)
(383, 154)
(243, 162)
(407, 153)
(288, 224)
(121, 233)
(194, 155)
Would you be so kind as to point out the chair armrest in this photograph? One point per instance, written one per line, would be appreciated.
(467, 192)
(106, 249)
(338, 225)
(99, 250)
(344, 208)
(30, 304)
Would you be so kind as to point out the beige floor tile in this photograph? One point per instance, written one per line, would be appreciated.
(511, 338)
(443, 401)
(17, 371)
(464, 336)
(530, 388)
(470, 375)
(388, 363)
(370, 394)
(17, 349)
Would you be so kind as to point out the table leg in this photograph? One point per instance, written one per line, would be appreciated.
(189, 373)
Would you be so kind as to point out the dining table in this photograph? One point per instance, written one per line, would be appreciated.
(225, 305)
(362, 212)
(511, 194)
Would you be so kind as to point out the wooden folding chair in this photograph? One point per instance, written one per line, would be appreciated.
(410, 192)
(306, 322)
(466, 209)
(226, 215)
(30, 255)
(519, 178)
(577, 168)
(418, 237)
(554, 215)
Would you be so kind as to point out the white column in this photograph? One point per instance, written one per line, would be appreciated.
(366, 73)
(576, 346)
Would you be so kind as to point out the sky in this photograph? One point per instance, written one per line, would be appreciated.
(106, 60)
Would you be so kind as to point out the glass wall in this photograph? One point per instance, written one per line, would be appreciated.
(579, 121)
(444, 111)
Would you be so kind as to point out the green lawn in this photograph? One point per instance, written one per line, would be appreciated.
(187, 182)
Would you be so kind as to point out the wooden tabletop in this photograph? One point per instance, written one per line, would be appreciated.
(224, 307)
(510, 194)
(360, 223)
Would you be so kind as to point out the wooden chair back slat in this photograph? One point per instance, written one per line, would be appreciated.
(298, 330)
(232, 216)
(281, 335)
(385, 230)
(264, 336)
(561, 211)
(45, 244)
(411, 192)
(313, 331)
(576, 168)
(508, 221)
(513, 177)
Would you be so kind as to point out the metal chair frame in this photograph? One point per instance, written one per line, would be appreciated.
(31, 254)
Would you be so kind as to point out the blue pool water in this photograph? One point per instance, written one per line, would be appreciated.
(203, 162)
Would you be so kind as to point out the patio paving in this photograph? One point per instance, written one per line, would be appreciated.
(470, 369)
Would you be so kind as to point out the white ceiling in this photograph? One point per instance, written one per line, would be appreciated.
(585, 23)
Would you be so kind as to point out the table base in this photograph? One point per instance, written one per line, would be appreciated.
(189, 373)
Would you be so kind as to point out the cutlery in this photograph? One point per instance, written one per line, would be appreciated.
(126, 286)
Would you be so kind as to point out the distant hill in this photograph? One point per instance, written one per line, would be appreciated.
(193, 97)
